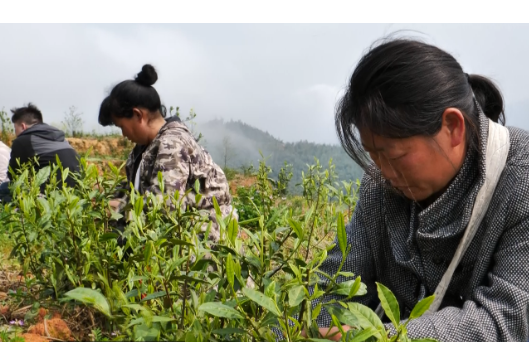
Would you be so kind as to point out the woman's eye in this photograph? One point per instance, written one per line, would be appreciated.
(397, 157)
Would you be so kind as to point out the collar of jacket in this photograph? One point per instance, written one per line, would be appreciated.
(138, 150)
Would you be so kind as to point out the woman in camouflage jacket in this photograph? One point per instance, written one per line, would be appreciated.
(165, 146)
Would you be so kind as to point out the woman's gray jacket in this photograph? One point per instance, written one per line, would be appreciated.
(397, 243)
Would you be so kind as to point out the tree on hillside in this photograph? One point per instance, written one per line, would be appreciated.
(228, 151)
(73, 122)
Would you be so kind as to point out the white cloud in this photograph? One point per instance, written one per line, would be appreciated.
(284, 79)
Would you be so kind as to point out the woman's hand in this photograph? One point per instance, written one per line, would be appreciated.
(331, 333)
(114, 204)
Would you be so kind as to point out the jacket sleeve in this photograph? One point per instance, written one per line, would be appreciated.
(359, 261)
(498, 310)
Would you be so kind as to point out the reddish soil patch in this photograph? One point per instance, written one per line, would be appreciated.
(241, 181)
(104, 147)
(54, 328)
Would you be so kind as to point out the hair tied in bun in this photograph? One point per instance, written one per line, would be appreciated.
(147, 76)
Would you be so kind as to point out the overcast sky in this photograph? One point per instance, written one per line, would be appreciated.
(284, 79)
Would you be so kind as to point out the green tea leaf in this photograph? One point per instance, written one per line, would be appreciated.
(144, 332)
(296, 296)
(293, 270)
(132, 293)
(218, 309)
(90, 296)
(136, 307)
(159, 319)
(229, 270)
(421, 307)
(389, 303)
(216, 205)
(347, 274)
(316, 311)
(262, 300)
(351, 288)
(161, 182)
(147, 254)
(197, 186)
(343, 315)
(367, 318)
(43, 175)
(233, 230)
(270, 289)
(296, 227)
(365, 334)
(342, 234)
(154, 296)
(109, 235)
(356, 287)
(138, 206)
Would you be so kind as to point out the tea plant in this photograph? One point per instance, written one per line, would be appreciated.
(160, 279)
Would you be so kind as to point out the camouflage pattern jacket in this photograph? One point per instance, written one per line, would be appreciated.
(176, 154)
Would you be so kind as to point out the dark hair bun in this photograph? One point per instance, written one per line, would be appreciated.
(147, 76)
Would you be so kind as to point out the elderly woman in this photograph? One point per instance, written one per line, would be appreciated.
(444, 202)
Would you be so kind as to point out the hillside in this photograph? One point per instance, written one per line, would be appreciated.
(235, 144)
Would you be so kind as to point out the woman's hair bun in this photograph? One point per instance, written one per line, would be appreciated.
(147, 76)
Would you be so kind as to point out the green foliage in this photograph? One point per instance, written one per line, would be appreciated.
(189, 120)
(260, 281)
(230, 173)
(7, 129)
(283, 179)
(10, 335)
(248, 141)
(248, 169)
(97, 335)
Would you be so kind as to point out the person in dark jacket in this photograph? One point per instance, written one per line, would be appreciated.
(36, 139)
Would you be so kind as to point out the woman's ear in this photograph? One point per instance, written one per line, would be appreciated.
(454, 125)
(137, 113)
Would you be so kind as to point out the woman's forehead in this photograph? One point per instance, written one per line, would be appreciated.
(375, 142)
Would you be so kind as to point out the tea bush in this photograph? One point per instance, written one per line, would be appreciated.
(157, 279)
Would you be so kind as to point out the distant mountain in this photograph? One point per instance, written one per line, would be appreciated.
(236, 144)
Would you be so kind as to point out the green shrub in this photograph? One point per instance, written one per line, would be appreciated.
(166, 283)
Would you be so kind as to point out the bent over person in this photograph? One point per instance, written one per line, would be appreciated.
(444, 202)
(36, 139)
(165, 146)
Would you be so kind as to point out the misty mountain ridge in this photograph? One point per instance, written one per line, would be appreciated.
(235, 144)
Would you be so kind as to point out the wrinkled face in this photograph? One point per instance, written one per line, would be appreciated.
(133, 128)
(420, 167)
